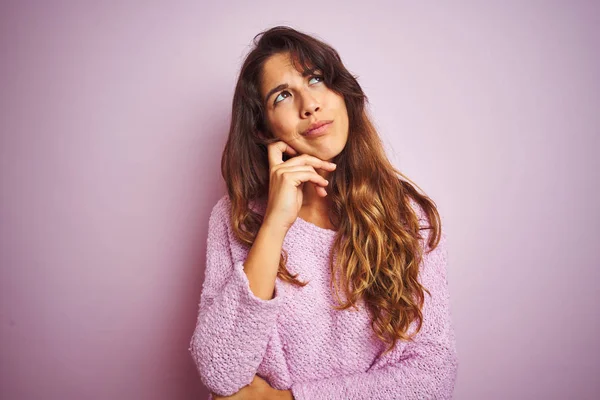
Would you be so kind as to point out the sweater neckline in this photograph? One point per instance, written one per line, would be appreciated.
(301, 223)
(312, 227)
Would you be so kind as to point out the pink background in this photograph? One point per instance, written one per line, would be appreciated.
(113, 117)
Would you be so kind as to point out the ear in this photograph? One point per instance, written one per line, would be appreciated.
(261, 135)
(264, 137)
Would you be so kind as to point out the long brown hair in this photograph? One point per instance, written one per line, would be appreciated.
(375, 208)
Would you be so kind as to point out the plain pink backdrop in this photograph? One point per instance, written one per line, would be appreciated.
(113, 117)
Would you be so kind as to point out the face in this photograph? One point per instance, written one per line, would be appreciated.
(306, 99)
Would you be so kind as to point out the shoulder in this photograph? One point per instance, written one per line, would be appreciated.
(221, 210)
(425, 226)
(420, 213)
(223, 205)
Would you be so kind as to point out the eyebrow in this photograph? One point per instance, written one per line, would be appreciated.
(285, 85)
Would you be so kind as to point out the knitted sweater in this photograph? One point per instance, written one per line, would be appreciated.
(297, 341)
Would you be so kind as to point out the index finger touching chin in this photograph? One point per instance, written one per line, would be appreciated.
(276, 150)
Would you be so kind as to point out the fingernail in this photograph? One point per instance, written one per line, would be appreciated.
(333, 165)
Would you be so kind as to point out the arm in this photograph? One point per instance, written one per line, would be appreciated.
(423, 369)
(234, 325)
(258, 389)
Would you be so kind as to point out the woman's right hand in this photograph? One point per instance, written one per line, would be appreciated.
(286, 180)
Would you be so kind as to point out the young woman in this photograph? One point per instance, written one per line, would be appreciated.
(326, 268)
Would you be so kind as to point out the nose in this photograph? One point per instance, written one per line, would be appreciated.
(310, 104)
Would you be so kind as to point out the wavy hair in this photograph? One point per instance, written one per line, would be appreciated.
(378, 244)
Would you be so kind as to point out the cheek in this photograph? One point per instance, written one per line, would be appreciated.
(336, 101)
(340, 105)
(283, 125)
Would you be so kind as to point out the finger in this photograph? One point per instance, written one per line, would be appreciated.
(306, 159)
(298, 177)
(275, 152)
(319, 188)
(295, 168)
(303, 168)
(321, 191)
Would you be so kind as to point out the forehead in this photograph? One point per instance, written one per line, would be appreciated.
(277, 68)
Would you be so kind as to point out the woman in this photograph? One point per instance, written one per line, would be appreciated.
(317, 272)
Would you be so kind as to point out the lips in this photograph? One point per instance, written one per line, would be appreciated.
(315, 126)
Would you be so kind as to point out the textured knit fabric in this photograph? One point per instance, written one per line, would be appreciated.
(297, 341)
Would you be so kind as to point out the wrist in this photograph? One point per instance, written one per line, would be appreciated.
(273, 230)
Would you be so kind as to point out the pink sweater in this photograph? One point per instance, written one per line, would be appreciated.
(297, 341)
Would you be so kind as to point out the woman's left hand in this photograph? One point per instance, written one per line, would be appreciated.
(258, 389)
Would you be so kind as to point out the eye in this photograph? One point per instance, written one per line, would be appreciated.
(285, 91)
(320, 79)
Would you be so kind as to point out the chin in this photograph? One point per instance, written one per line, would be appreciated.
(328, 156)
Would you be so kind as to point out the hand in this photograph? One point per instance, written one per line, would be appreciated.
(258, 389)
(286, 179)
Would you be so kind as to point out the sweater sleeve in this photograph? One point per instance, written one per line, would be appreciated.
(423, 369)
(233, 325)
